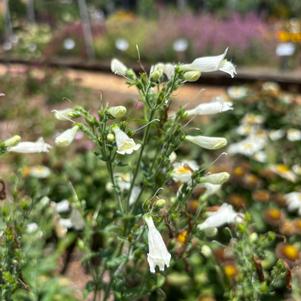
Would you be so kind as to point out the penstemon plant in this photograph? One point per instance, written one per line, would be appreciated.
(155, 215)
(149, 186)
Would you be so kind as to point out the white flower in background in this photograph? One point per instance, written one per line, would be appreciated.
(118, 67)
(297, 169)
(216, 178)
(210, 108)
(276, 134)
(251, 118)
(211, 63)
(260, 156)
(62, 114)
(117, 111)
(245, 129)
(207, 142)
(67, 137)
(158, 254)
(122, 44)
(30, 147)
(237, 92)
(69, 44)
(271, 87)
(283, 171)
(248, 147)
(32, 227)
(180, 45)
(224, 215)
(293, 135)
(62, 206)
(39, 171)
(125, 144)
(293, 201)
(182, 171)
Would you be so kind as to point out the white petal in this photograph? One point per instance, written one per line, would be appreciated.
(67, 137)
(118, 67)
(208, 142)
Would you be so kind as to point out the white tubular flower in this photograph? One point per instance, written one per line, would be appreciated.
(210, 108)
(211, 64)
(169, 70)
(158, 254)
(211, 189)
(208, 142)
(134, 194)
(237, 92)
(62, 206)
(67, 137)
(118, 67)
(125, 144)
(293, 135)
(216, 178)
(183, 171)
(293, 201)
(224, 215)
(62, 114)
(30, 147)
(117, 111)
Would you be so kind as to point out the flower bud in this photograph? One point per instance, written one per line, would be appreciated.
(192, 76)
(111, 137)
(210, 232)
(172, 157)
(160, 203)
(117, 111)
(206, 251)
(156, 72)
(131, 74)
(12, 141)
(216, 178)
(253, 237)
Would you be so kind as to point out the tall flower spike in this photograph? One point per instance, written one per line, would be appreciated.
(210, 108)
(67, 137)
(224, 215)
(30, 147)
(211, 63)
(208, 142)
(158, 254)
(125, 144)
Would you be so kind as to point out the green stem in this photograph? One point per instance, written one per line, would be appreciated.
(144, 140)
